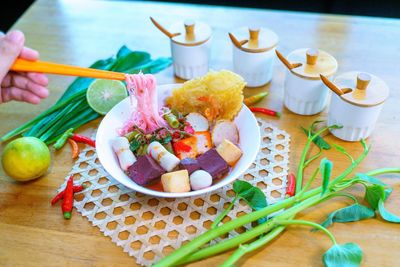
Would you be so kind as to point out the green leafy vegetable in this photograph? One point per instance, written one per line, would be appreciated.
(253, 196)
(386, 215)
(353, 213)
(319, 141)
(134, 145)
(254, 238)
(346, 255)
(370, 179)
(326, 169)
(373, 194)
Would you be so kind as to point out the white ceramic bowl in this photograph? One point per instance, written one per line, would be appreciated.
(249, 132)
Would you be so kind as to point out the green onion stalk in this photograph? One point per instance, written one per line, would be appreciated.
(262, 234)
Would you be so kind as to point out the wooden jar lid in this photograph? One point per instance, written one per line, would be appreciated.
(191, 32)
(258, 39)
(366, 89)
(313, 63)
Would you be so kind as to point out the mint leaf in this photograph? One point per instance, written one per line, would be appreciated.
(386, 215)
(370, 179)
(353, 213)
(373, 194)
(346, 255)
(325, 169)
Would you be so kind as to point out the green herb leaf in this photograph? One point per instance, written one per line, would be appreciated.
(253, 195)
(370, 179)
(326, 169)
(134, 145)
(386, 215)
(346, 255)
(373, 194)
(319, 141)
(353, 213)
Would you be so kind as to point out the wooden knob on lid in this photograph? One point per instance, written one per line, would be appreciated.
(312, 56)
(363, 80)
(254, 33)
(189, 28)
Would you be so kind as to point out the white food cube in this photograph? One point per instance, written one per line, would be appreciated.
(176, 182)
(229, 152)
(200, 179)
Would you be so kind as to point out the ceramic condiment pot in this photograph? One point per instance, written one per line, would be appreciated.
(190, 47)
(254, 54)
(305, 94)
(356, 104)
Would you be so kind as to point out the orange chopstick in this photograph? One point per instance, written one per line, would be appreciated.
(55, 68)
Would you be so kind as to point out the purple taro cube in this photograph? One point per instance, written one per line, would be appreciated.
(213, 163)
(145, 170)
(189, 164)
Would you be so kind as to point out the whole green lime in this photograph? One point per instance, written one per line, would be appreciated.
(26, 158)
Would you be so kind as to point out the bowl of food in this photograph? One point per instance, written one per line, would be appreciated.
(179, 140)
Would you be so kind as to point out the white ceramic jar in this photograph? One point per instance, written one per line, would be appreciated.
(190, 48)
(358, 108)
(254, 59)
(304, 92)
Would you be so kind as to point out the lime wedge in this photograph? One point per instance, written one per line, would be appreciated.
(103, 95)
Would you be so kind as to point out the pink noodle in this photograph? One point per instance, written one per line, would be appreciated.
(146, 116)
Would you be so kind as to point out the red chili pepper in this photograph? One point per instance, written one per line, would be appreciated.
(266, 111)
(176, 135)
(76, 188)
(291, 185)
(68, 198)
(181, 146)
(83, 139)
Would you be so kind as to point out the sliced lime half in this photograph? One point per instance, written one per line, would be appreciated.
(103, 95)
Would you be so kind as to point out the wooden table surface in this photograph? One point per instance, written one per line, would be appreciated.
(32, 233)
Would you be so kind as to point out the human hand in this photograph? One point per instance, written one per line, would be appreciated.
(27, 87)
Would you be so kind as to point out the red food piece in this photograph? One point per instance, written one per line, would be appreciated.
(186, 148)
(188, 128)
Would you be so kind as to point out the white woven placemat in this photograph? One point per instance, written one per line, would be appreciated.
(148, 228)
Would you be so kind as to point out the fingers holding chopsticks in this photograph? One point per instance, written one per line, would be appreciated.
(27, 87)
(35, 84)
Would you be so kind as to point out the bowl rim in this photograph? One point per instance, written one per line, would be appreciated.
(147, 191)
